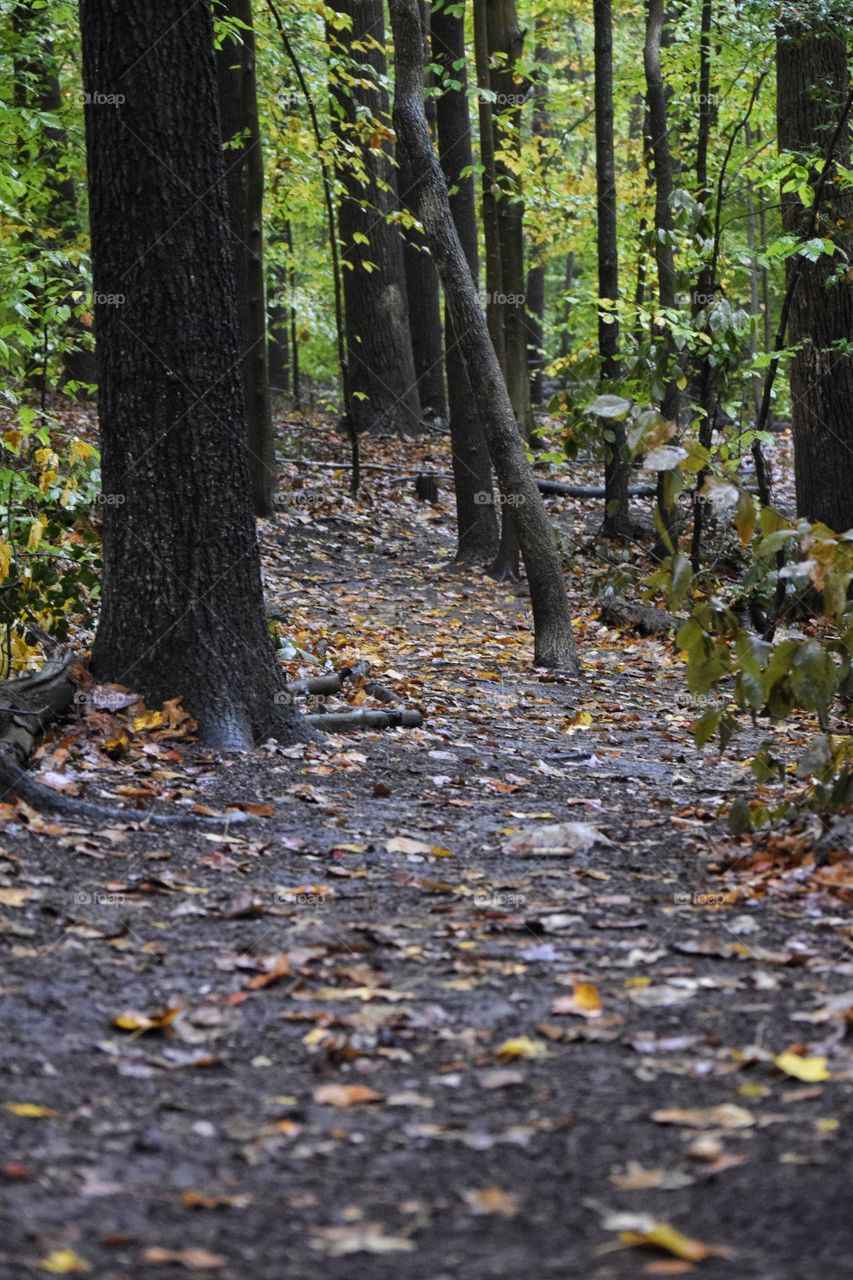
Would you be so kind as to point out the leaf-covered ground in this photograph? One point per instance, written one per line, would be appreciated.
(491, 998)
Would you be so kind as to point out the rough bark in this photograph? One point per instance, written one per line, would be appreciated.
(617, 465)
(663, 243)
(244, 181)
(422, 288)
(554, 643)
(476, 521)
(182, 612)
(813, 82)
(383, 384)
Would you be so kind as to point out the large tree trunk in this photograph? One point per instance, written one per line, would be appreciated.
(663, 251)
(182, 611)
(477, 525)
(554, 643)
(422, 289)
(617, 465)
(813, 81)
(383, 384)
(244, 181)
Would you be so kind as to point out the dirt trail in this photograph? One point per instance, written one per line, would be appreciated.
(386, 1032)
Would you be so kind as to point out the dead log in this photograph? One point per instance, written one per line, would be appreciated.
(618, 612)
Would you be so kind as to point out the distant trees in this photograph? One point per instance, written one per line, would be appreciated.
(814, 108)
(382, 374)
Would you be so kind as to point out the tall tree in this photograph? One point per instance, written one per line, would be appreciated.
(664, 254)
(244, 179)
(182, 611)
(383, 383)
(617, 466)
(476, 521)
(813, 112)
(422, 288)
(554, 643)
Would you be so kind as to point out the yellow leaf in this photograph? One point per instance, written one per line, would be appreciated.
(13, 897)
(37, 528)
(29, 1109)
(13, 439)
(520, 1047)
(5, 558)
(148, 720)
(133, 1021)
(811, 1070)
(63, 1262)
(80, 450)
(666, 1237)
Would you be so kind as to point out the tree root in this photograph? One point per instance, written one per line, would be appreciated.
(343, 721)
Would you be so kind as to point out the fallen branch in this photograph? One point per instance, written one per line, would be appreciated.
(343, 721)
(545, 486)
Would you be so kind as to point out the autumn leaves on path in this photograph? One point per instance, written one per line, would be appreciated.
(472, 1002)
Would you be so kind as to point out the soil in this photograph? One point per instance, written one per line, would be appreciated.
(507, 1026)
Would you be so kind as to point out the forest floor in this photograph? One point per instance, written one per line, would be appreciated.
(395, 1029)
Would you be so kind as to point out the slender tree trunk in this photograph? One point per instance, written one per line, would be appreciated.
(244, 183)
(554, 644)
(383, 383)
(491, 228)
(663, 245)
(813, 83)
(566, 312)
(617, 465)
(477, 525)
(182, 611)
(535, 315)
(422, 288)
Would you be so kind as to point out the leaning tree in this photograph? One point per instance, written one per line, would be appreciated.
(554, 644)
(183, 612)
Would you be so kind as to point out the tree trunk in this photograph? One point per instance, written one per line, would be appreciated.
(554, 643)
(244, 182)
(663, 245)
(813, 81)
(383, 384)
(489, 207)
(182, 612)
(617, 465)
(422, 288)
(477, 525)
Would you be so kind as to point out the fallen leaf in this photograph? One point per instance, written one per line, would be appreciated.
(14, 897)
(585, 1001)
(346, 1095)
(367, 1237)
(29, 1109)
(520, 1047)
(559, 839)
(812, 1070)
(132, 1020)
(725, 1116)
(491, 1200)
(64, 1262)
(193, 1259)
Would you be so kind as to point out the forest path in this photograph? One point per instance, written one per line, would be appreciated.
(387, 1032)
